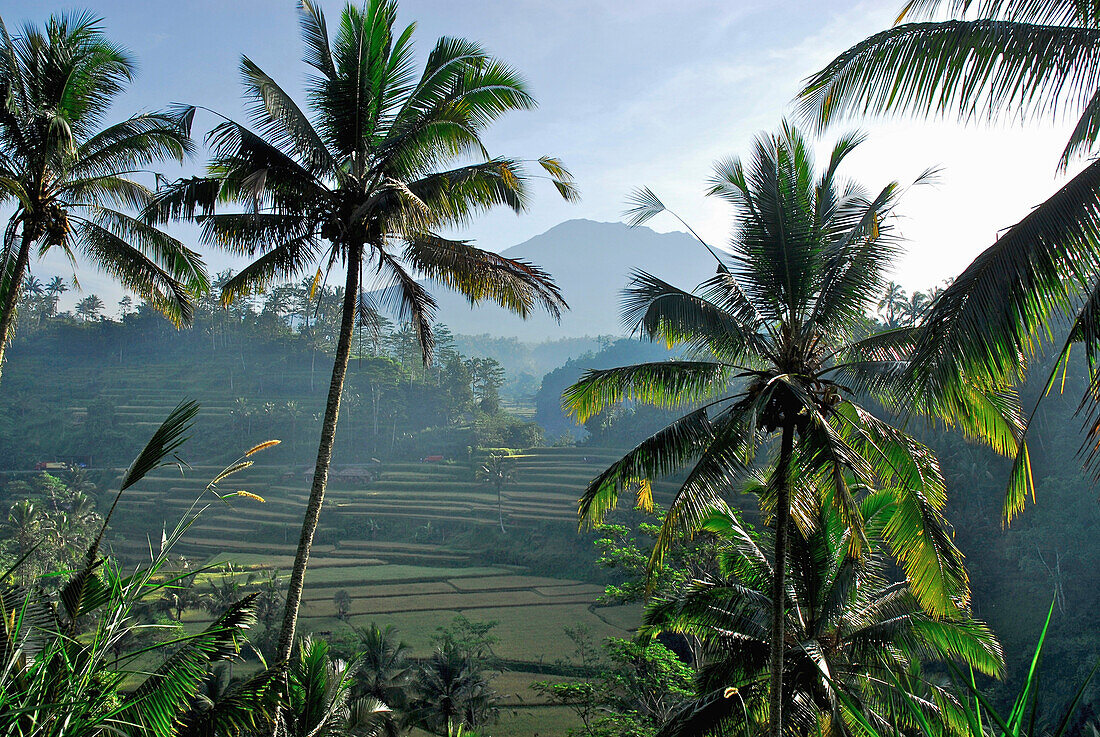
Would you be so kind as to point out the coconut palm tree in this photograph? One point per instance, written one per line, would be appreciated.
(783, 369)
(90, 308)
(915, 307)
(855, 641)
(22, 526)
(497, 471)
(320, 702)
(451, 692)
(1027, 60)
(54, 289)
(363, 181)
(386, 671)
(892, 303)
(71, 180)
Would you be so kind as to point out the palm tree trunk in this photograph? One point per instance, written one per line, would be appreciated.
(12, 297)
(500, 508)
(779, 586)
(324, 457)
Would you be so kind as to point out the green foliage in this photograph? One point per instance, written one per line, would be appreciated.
(320, 701)
(626, 552)
(1030, 61)
(393, 406)
(635, 688)
(473, 638)
(452, 689)
(48, 527)
(386, 672)
(979, 718)
(780, 356)
(71, 179)
(83, 662)
(858, 642)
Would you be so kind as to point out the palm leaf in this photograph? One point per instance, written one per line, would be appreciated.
(158, 703)
(513, 284)
(665, 384)
(967, 67)
(664, 452)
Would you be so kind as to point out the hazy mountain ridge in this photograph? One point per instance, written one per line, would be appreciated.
(591, 262)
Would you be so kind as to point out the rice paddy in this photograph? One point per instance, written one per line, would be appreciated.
(389, 542)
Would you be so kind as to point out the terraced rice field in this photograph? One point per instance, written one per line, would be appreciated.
(386, 542)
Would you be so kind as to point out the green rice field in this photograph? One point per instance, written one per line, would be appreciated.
(393, 543)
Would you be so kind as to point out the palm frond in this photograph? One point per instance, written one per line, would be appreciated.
(666, 384)
(970, 68)
(134, 270)
(285, 261)
(645, 206)
(667, 313)
(479, 275)
(130, 144)
(987, 322)
(402, 294)
(163, 443)
(279, 119)
(663, 453)
(159, 702)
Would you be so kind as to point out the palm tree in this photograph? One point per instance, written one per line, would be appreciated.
(1035, 61)
(915, 308)
(54, 289)
(68, 664)
(497, 471)
(451, 692)
(320, 703)
(892, 302)
(22, 525)
(67, 177)
(363, 181)
(855, 644)
(781, 333)
(385, 672)
(89, 308)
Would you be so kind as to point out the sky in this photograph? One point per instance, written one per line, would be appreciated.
(631, 93)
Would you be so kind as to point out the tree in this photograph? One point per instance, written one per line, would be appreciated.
(638, 687)
(386, 671)
(452, 691)
(320, 703)
(488, 377)
(342, 600)
(915, 308)
(90, 308)
(227, 588)
(497, 471)
(892, 303)
(363, 180)
(22, 526)
(856, 643)
(54, 289)
(70, 668)
(1034, 61)
(67, 177)
(784, 364)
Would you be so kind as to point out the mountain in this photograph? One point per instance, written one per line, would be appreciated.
(591, 262)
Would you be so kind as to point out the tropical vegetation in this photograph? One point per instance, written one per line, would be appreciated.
(792, 424)
(1000, 59)
(367, 174)
(860, 645)
(73, 181)
(783, 363)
